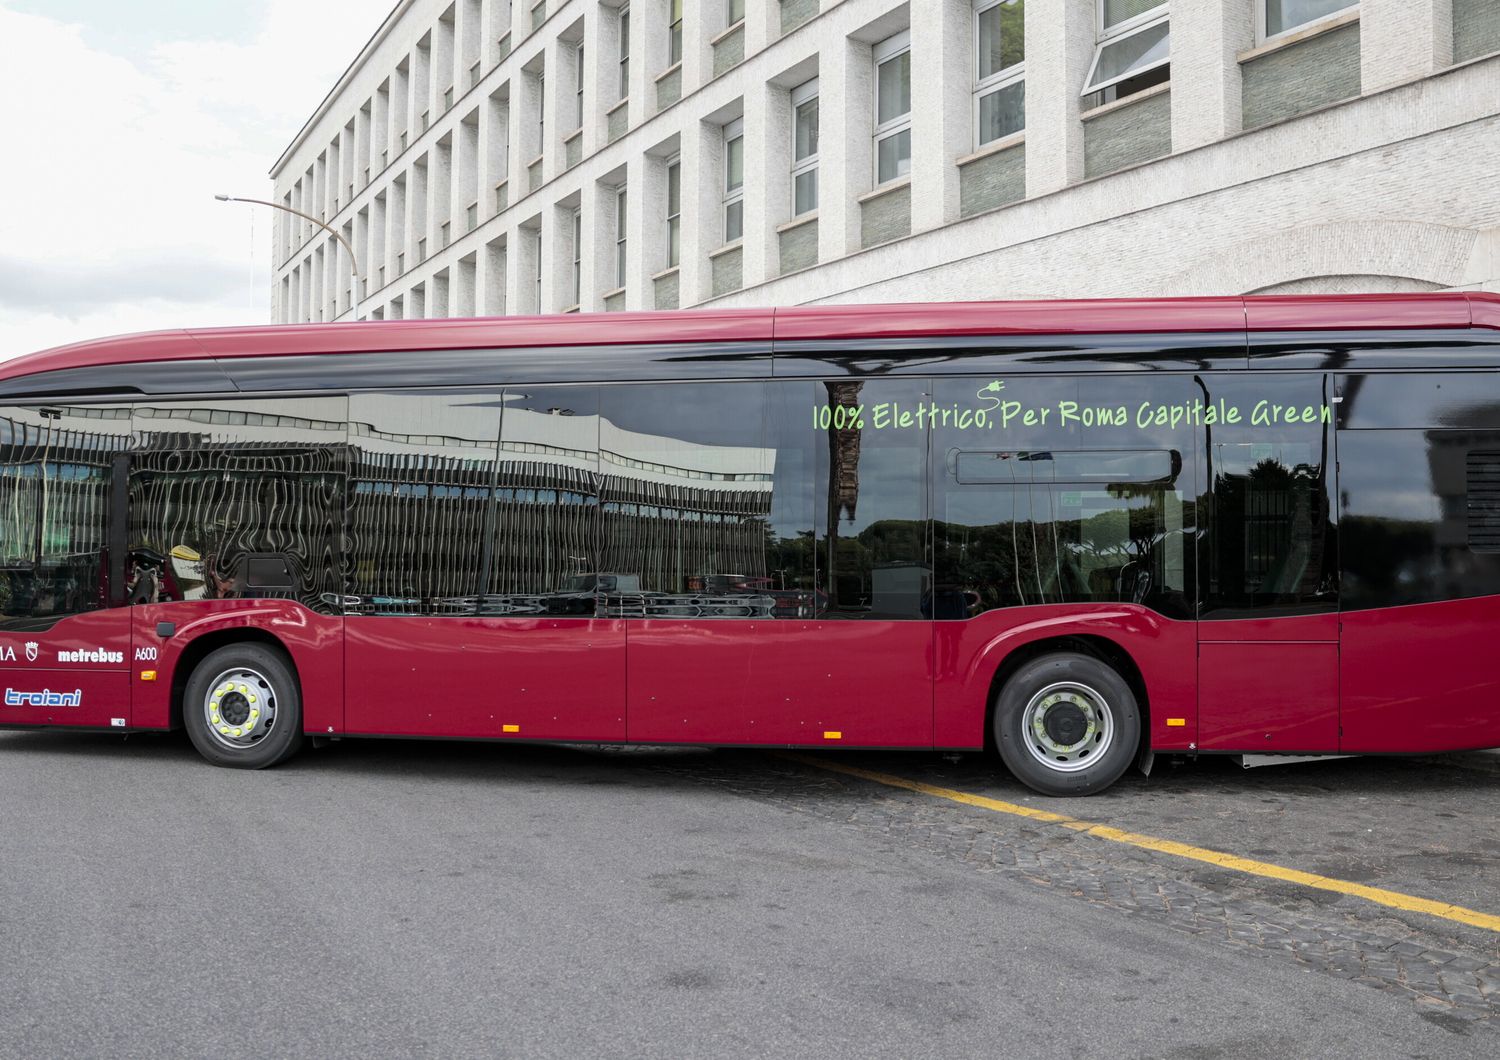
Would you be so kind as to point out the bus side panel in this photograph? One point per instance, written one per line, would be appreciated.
(313, 641)
(516, 678)
(73, 673)
(1421, 677)
(793, 682)
(970, 652)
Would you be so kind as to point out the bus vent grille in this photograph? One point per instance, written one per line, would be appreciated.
(1484, 502)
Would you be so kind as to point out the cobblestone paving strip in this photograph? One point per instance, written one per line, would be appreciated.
(1457, 986)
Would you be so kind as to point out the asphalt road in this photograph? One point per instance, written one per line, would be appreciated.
(402, 898)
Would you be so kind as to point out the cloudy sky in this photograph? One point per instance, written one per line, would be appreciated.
(122, 120)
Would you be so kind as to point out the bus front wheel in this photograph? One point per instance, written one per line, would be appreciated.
(1067, 724)
(242, 707)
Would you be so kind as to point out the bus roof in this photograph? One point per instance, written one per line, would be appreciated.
(798, 324)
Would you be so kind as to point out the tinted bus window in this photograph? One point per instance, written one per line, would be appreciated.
(546, 536)
(1419, 516)
(1063, 491)
(57, 464)
(870, 439)
(1269, 544)
(704, 501)
(422, 469)
(217, 486)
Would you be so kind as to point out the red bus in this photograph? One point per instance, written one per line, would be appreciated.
(1079, 533)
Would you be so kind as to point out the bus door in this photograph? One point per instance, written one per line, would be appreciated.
(773, 538)
(473, 568)
(1268, 633)
(65, 637)
(1419, 482)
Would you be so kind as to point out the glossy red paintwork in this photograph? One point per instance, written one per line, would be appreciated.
(1484, 310)
(312, 640)
(552, 678)
(802, 323)
(1421, 678)
(970, 652)
(780, 682)
(1359, 312)
(1090, 316)
(1284, 628)
(104, 685)
(1268, 696)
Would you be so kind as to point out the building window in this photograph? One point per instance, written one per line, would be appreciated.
(999, 69)
(674, 213)
(674, 32)
(1284, 16)
(577, 256)
(578, 94)
(734, 180)
(892, 108)
(541, 113)
(624, 51)
(805, 148)
(536, 249)
(622, 206)
(1134, 49)
(735, 12)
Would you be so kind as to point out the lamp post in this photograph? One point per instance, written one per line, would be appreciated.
(353, 262)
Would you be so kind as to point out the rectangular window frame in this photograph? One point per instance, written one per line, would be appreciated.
(624, 52)
(578, 60)
(1129, 28)
(734, 13)
(622, 233)
(1000, 79)
(576, 226)
(805, 93)
(537, 249)
(733, 195)
(1263, 17)
(891, 48)
(673, 220)
(674, 32)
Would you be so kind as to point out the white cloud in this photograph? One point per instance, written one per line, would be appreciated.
(110, 223)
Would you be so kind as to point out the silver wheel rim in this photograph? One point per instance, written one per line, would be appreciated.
(239, 708)
(1057, 714)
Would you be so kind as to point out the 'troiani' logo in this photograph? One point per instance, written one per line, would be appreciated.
(45, 698)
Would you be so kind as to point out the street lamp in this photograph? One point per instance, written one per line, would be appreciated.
(353, 262)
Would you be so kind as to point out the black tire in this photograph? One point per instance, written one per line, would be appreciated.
(1090, 722)
(242, 707)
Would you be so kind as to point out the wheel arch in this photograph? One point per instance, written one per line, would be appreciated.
(1107, 651)
(199, 648)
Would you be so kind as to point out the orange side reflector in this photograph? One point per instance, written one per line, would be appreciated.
(1176, 723)
(148, 675)
(833, 736)
(510, 728)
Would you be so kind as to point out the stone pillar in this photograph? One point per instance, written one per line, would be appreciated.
(1059, 48)
(1207, 38)
(702, 193)
(942, 63)
(844, 152)
(1402, 40)
(768, 177)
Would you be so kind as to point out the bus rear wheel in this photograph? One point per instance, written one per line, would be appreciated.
(1067, 724)
(242, 707)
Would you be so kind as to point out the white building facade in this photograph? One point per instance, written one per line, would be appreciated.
(493, 157)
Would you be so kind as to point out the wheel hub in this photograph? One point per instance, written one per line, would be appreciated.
(1067, 726)
(240, 708)
(1065, 723)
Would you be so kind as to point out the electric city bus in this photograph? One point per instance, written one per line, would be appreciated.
(1077, 533)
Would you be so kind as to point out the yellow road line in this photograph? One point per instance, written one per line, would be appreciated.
(1378, 895)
